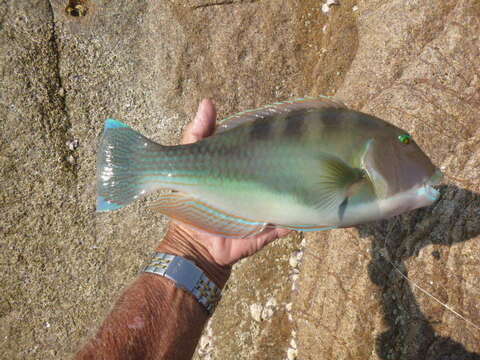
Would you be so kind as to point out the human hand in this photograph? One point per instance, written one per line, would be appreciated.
(213, 253)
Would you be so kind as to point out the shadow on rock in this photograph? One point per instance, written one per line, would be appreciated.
(451, 220)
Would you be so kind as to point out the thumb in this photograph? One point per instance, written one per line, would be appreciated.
(203, 125)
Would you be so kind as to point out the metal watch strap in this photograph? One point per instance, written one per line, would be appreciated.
(186, 275)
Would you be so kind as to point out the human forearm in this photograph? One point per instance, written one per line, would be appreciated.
(154, 319)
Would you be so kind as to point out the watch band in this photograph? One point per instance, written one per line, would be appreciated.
(186, 275)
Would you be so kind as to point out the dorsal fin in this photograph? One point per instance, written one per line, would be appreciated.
(276, 109)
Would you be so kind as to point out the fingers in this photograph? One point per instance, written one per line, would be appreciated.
(283, 232)
(271, 235)
(203, 125)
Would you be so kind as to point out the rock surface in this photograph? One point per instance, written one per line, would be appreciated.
(415, 64)
(424, 78)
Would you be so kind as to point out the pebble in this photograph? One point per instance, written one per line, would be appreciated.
(289, 306)
(326, 6)
(294, 286)
(204, 341)
(272, 302)
(72, 144)
(291, 354)
(333, 2)
(295, 259)
(267, 313)
(269, 308)
(295, 277)
(256, 312)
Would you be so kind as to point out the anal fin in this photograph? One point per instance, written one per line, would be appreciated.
(202, 216)
(309, 228)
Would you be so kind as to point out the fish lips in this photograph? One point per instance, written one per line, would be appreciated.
(429, 194)
(428, 191)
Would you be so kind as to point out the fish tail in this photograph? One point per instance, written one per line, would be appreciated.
(124, 158)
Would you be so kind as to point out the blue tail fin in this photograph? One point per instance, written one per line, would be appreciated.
(120, 163)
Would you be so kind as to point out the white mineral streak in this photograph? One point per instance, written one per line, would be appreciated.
(205, 348)
(294, 262)
(292, 351)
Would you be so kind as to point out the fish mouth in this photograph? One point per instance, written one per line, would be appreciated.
(427, 191)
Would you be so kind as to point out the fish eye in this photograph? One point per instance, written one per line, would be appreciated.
(405, 139)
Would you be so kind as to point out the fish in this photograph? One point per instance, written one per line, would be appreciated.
(305, 165)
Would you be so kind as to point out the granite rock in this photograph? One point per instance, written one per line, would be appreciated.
(63, 72)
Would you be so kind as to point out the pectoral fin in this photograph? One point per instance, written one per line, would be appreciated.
(198, 214)
(335, 183)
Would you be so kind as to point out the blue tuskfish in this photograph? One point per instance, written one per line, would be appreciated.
(306, 165)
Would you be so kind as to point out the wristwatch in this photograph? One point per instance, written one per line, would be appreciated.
(186, 275)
